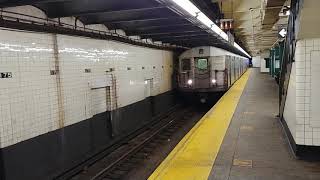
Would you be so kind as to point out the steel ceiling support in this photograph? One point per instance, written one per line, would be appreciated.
(134, 26)
(192, 39)
(164, 30)
(11, 3)
(180, 37)
(168, 33)
(127, 16)
(72, 7)
(172, 35)
(102, 11)
(165, 26)
(75, 32)
(137, 20)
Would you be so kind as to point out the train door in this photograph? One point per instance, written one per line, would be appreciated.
(218, 73)
(202, 73)
(228, 66)
(241, 68)
(238, 67)
(232, 70)
(185, 72)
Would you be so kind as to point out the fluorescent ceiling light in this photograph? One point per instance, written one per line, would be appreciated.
(194, 11)
(217, 30)
(224, 35)
(188, 6)
(238, 47)
(204, 19)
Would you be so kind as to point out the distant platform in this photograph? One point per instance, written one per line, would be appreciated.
(239, 138)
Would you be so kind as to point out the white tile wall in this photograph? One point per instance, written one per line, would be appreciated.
(256, 61)
(29, 101)
(305, 125)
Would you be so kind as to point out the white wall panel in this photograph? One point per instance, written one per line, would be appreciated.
(315, 89)
(290, 104)
(28, 99)
(263, 66)
(305, 73)
(256, 61)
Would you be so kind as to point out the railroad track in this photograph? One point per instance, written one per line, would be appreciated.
(118, 163)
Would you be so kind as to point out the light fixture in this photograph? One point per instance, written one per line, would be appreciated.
(213, 81)
(195, 12)
(204, 19)
(239, 48)
(190, 81)
(221, 33)
(187, 6)
(145, 82)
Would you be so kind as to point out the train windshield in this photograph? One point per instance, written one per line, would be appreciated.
(202, 64)
(186, 65)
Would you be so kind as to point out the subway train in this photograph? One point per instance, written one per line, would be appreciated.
(207, 72)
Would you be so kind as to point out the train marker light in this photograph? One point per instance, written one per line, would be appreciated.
(189, 81)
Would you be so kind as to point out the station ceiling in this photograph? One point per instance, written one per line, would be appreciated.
(256, 22)
(159, 20)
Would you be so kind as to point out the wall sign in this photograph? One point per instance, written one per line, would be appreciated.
(283, 32)
(5, 74)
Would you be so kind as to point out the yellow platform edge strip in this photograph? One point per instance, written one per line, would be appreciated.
(194, 156)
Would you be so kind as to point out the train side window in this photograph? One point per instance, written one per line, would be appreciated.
(202, 64)
(186, 65)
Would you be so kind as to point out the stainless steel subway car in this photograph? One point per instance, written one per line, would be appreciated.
(208, 71)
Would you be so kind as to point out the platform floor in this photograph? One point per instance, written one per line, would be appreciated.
(255, 146)
(240, 138)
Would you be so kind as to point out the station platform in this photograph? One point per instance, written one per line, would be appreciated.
(240, 138)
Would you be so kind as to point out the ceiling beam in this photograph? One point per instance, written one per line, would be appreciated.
(165, 26)
(168, 33)
(185, 34)
(135, 20)
(204, 40)
(10, 3)
(141, 24)
(56, 14)
(181, 36)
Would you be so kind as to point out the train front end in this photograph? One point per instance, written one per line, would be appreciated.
(202, 78)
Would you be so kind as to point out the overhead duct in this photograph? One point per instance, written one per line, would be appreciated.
(271, 10)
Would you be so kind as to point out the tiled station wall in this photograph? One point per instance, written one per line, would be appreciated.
(36, 98)
(302, 110)
(256, 62)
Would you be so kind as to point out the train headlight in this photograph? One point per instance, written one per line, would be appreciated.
(190, 81)
(214, 81)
